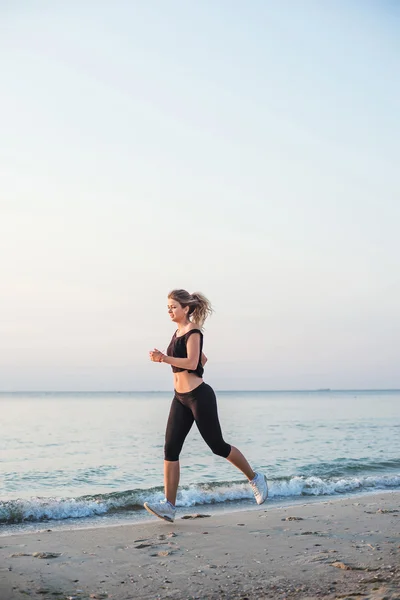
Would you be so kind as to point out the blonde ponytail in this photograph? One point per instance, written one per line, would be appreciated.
(202, 309)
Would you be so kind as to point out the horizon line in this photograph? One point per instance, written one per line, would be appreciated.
(218, 390)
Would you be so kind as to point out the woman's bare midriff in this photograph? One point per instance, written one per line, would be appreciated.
(186, 382)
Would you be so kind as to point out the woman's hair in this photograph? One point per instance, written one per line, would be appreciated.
(199, 307)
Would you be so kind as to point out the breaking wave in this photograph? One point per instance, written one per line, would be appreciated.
(59, 508)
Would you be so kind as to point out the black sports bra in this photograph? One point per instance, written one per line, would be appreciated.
(178, 348)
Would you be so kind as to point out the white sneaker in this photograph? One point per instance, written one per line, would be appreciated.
(260, 488)
(163, 510)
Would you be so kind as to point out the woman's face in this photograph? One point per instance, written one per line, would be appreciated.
(176, 312)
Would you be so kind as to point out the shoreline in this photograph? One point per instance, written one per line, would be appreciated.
(217, 508)
(333, 548)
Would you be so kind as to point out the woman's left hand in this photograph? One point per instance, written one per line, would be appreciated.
(156, 355)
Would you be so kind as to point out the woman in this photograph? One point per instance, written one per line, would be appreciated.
(194, 400)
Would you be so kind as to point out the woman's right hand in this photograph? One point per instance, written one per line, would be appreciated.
(156, 355)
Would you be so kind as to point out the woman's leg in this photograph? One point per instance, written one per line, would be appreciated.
(171, 479)
(180, 421)
(204, 407)
(236, 458)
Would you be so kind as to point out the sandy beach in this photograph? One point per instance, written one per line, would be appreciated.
(344, 548)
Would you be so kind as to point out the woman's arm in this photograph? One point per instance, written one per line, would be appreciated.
(192, 350)
(204, 359)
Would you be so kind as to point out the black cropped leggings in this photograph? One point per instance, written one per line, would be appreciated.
(199, 405)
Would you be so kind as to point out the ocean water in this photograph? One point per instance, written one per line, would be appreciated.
(79, 459)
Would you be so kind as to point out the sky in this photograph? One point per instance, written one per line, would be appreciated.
(249, 151)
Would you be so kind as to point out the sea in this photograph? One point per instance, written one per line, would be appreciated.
(78, 460)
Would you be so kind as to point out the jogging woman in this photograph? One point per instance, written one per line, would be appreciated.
(194, 400)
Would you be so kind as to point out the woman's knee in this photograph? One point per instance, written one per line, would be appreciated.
(221, 449)
(171, 452)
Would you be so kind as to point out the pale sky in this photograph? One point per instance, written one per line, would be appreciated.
(249, 150)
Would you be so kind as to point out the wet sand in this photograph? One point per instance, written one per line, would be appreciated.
(345, 548)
